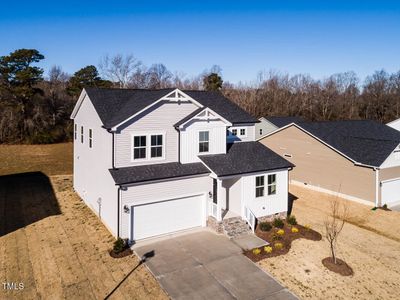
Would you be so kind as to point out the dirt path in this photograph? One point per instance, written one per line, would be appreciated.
(51, 242)
(370, 246)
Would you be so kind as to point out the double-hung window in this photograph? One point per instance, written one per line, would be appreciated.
(260, 186)
(243, 131)
(260, 131)
(234, 131)
(139, 147)
(156, 147)
(272, 184)
(75, 131)
(82, 134)
(204, 142)
(90, 138)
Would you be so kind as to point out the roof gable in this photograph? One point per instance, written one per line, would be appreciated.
(203, 113)
(116, 106)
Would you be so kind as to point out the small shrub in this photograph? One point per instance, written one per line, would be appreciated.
(120, 245)
(265, 226)
(278, 246)
(384, 206)
(292, 220)
(295, 229)
(307, 226)
(278, 223)
(256, 251)
(280, 232)
(267, 249)
(276, 237)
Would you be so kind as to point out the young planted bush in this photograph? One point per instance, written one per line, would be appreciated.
(265, 226)
(278, 246)
(256, 251)
(120, 245)
(292, 220)
(295, 230)
(278, 223)
(268, 249)
(280, 232)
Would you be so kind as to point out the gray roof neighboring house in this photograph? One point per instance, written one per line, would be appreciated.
(364, 141)
(283, 121)
(245, 157)
(116, 105)
(161, 171)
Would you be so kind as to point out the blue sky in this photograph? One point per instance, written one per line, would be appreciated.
(243, 37)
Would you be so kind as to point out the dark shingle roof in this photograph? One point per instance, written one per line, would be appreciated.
(116, 105)
(283, 121)
(245, 157)
(156, 172)
(364, 141)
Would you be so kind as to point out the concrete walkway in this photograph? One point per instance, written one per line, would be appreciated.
(204, 265)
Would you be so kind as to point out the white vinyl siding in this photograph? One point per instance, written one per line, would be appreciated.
(190, 139)
(267, 204)
(244, 133)
(159, 118)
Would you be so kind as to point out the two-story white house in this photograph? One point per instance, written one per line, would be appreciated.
(152, 162)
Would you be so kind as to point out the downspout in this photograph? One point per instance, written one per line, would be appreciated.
(376, 187)
(118, 213)
(179, 144)
(113, 149)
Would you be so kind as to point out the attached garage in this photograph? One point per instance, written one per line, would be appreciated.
(153, 219)
(391, 191)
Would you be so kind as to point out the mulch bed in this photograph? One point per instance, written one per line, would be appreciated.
(286, 240)
(340, 267)
(121, 254)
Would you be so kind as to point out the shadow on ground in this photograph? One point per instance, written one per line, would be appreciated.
(291, 199)
(25, 198)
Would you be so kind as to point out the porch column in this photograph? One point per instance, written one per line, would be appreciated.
(221, 196)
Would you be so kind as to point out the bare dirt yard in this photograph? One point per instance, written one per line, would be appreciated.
(53, 159)
(51, 242)
(369, 243)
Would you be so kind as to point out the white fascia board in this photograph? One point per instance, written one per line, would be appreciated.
(318, 139)
(394, 121)
(207, 109)
(166, 97)
(78, 104)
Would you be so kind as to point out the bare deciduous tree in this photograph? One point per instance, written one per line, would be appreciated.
(334, 224)
(119, 69)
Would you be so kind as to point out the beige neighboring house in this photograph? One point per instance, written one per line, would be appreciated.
(357, 160)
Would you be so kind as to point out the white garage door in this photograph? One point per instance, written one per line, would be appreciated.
(391, 192)
(167, 216)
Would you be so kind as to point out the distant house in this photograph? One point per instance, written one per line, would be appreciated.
(395, 124)
(359, 160)
(152, 162)
(270, 124)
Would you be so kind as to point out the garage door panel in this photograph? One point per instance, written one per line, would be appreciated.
(391, 192)
(167, 216)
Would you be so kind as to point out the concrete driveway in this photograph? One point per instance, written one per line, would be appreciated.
(204, 265)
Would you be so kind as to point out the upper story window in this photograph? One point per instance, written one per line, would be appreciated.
(272, 184)
(156, 148)
(260, 131)
(204, 142)
(90, 138)
(75, 131)
(238, 131)
(243, 131)
(234, 131)
(260, 186)
(82, 134)
(139, 147)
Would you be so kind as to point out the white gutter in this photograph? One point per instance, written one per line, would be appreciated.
(376, 186)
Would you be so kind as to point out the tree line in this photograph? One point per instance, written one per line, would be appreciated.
(35, 107)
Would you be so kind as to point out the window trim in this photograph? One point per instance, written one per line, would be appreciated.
(272, 184)
(90, 138)
(148, 146)
(198, 142)
(157, 146)
(238, 132)
(82, 130)
(262, 187)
